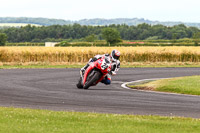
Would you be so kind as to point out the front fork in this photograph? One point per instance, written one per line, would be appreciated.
(81, 73)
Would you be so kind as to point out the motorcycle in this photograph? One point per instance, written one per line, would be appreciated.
(95, 73)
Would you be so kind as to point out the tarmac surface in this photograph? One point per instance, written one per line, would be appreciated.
(55, 89)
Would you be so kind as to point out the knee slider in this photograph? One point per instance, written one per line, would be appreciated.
(107, 82)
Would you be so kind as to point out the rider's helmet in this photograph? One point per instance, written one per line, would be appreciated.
(115, 54)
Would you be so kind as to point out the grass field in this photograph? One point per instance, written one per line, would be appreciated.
(80, 65)
(14, 120)
(183, 85)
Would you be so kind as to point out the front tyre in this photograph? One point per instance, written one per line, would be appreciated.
(92, 80)
(79, 84)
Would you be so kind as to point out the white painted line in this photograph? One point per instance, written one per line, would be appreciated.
(124, 85)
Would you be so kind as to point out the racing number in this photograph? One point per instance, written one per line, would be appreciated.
(104, 66)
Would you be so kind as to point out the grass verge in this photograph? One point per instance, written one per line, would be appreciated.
(79, 65)
(39, 66)
(182, 85)
(44, 121)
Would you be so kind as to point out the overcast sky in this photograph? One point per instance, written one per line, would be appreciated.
(161, 10)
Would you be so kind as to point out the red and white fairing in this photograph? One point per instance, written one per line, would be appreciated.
(103, 64)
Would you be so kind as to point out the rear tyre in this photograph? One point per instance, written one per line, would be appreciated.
(92, 80)
(79, 85)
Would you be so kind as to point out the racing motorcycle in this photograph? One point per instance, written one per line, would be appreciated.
(94, 73)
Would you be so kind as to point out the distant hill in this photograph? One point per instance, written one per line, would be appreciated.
(38, 21)
(97, 21)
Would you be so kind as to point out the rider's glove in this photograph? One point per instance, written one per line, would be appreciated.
(94, 59)
(113, 73)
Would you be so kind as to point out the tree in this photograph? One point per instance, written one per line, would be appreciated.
(174, 37)
(77, 31)
(196, 38)
(3, 39)
(91, 38)
(111, 35)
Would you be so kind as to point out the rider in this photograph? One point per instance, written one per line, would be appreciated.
(114, 56)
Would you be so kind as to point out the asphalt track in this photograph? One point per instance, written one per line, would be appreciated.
(55, 89)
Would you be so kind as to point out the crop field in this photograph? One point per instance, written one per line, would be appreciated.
(83, 54)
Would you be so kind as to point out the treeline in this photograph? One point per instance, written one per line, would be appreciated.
(76, 31)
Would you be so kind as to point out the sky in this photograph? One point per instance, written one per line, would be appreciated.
(161, 10)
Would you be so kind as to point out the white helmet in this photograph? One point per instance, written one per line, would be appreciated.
(115, 54)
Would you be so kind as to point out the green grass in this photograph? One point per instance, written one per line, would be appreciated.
(183, 85)
(39, 66)
(14, 120)
(123, 65)
(156, 66)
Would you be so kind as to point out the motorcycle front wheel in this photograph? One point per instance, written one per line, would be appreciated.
(79, 84)
(92, 79)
